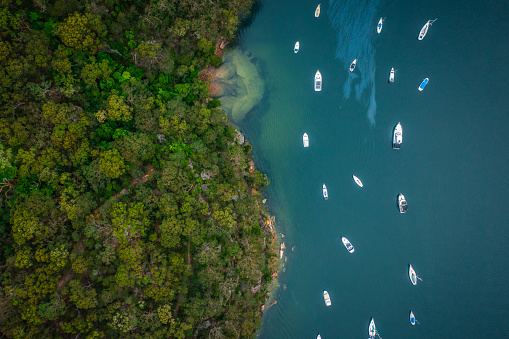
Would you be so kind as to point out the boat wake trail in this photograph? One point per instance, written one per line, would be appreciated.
(355, 24)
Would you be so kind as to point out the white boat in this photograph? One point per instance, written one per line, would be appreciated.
(412, 275)
(403, 207)
(296, 47)
(317, 11)
(424, 29)
(397, 137)
(423, 84)
(379, 26)
(372, 329)
(325, 194)
(305, 140)
(326, 297)
(348, 245)
(391, 76)
(318, 81)
(352, 65)
(318, 336)
(412, 318)
(357, 181)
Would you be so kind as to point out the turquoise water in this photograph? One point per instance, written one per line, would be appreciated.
(452, 166)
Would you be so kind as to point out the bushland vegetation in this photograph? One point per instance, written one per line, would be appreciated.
(127, 208)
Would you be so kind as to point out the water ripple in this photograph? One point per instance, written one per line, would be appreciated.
(355, 24)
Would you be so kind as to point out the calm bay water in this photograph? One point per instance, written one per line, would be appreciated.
(452, 167)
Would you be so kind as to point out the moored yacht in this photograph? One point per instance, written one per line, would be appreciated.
(318, 81)
(317, 11)
(305, 140)
(391, 76)
(379, 26)
(325, 193)
(296, 47)
(357, 181)
(352, 65)
(423, 84)
(397, 137)
(372, 329)
(403, 207)
(424, 29)
(348, 244)
(326, 297)
(412, 275)
(412, 318)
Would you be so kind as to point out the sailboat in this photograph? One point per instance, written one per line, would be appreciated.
(357, 181)
(372, 329)
(317, 11)
(325, 193)
(412, 318)
(352, 65)
(391, 75)
(424, 29)
(412, 275)
(379, 26)
(296, 47)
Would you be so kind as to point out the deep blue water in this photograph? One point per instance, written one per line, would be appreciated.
(452, 166)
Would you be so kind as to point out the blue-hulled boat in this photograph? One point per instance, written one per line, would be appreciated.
(412, 318)
(423, 84)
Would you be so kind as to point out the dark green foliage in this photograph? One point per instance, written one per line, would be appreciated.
(126, 207)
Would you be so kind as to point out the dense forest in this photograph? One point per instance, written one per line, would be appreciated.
(128, 206)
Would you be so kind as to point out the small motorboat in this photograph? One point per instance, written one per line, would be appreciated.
(424, 29)
(348, 245)
(379, 26)
(403, 206)
(318, 81)
(325, 193)
(317, 11)
(391, 75)
(412, 275)
(352, 65)
(305, 140)
(423, 84)
(326, 297)
(372, 329)
(318, 336)
(296, 47)
(412, 318)
(397, 137)
(357, 181)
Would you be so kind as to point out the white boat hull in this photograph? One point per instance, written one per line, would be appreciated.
(402, 204)
(325, 192)
(372, 329)
(318, 81)
(296, 47)
(391, 76)
(424, 29)
(412, 318)
(305, 140)
(348, 245)
(412, 275)
(326, 298)
(357, 181)
(397, 136)
(379, 26)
